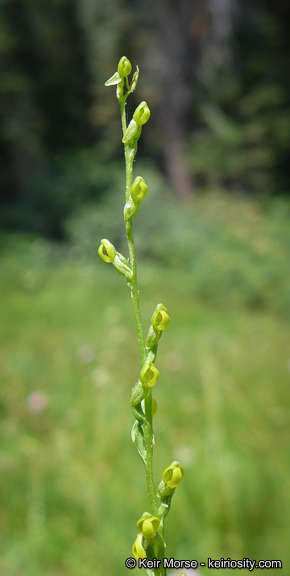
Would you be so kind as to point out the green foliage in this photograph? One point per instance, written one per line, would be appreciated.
(67, 350)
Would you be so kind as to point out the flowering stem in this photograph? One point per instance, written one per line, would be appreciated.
(151, 525)
(148, 431)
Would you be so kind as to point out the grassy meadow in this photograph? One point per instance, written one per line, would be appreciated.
(72, 485)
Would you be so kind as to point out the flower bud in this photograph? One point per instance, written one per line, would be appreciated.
(137, 549)
(173, 475)
(149, 375)
(139, 189)
(142, 114)
(107, 251)
(148, 525)
(160, 318)
(124, 67)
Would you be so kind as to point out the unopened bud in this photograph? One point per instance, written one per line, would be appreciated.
(142, 114)
(124, 67)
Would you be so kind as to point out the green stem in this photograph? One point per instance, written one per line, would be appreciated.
(148, 431)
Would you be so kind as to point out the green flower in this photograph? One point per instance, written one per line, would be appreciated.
(139, 189)
(107, 251)
(148, 525)
(137, 549)
(149, 375)
(173, 475)
(160, 318)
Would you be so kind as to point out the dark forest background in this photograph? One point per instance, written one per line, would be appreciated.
(215, 75)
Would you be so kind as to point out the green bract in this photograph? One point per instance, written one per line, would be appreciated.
(131, 208)
(139, 392)
(133, 132)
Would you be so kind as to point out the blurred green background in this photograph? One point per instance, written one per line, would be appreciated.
(212, 239)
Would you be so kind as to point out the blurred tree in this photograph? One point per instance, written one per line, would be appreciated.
(242, 135)
(43, 98)
(214, 73)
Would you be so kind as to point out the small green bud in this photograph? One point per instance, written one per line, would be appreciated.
(142, 114)
(134, 81)
(160, 318)
(137, 549)
(124, 67)
(131, 208)
(148, 525)
(173, 475)
(107, 251)
(139, 189)
(149, 375)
